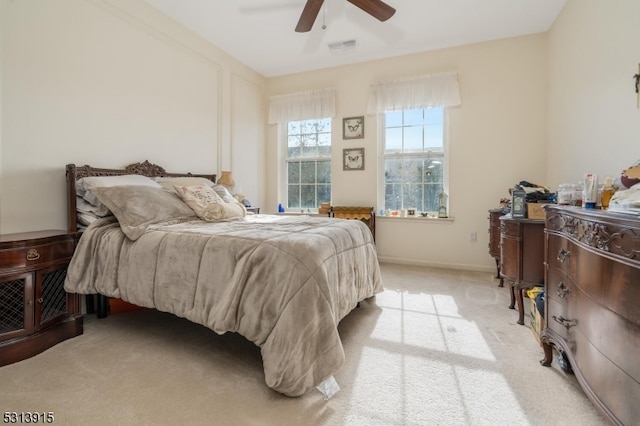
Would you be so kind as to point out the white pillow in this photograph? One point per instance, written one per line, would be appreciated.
(207, 204)
(86, 184)
(169, 182)
(86, 218)
(83, 206)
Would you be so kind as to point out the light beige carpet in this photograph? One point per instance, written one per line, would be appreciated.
(438, 347)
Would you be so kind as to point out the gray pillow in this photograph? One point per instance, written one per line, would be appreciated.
(137, 207)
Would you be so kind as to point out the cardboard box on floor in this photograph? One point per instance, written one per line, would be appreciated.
(535, 320)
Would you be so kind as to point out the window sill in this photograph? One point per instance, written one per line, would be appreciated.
(416, 219)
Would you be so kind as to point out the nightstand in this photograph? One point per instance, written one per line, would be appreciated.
(35, 311)
(253, 209)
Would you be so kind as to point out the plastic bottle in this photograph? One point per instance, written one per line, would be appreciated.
(607, 191)
(565, 194)
(578, 195)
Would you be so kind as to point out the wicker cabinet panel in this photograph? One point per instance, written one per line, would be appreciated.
(35, 311)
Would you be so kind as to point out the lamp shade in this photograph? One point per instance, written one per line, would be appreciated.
(226, 180)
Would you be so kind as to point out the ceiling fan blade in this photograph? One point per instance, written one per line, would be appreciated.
(308, 16)
(376, 8)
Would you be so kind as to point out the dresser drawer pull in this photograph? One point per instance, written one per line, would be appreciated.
(562, 290)
(567, 323)
(563, 255)
(33, 254)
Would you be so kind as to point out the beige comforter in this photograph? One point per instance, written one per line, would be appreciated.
(282, 282)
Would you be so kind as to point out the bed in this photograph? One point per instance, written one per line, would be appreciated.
(282, 282)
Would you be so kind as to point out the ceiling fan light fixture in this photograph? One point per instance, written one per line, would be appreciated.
(342, 46)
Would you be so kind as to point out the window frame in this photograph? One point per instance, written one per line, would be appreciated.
(285, 159)
(382, 157)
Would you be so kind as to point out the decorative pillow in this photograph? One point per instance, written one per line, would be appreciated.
(85, 186)
(169, 182)
(224, 194)
(136, 207)
(207, 204)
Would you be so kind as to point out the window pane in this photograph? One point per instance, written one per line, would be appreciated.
(392, 197)
(393, 140)
(393, 170)
(324, 194)
(412, 196)
(324, 172)
(414, 159)
(293, 172)
(433, 136)
(308, 163)
(308, 197)
(413, 117)
(433, 116)
(413, 139)
(393, 119)
(412, 170)
(431, 201)
(293, 196)
(308, 172)
(310, 151)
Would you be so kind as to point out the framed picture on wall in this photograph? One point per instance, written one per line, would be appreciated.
(353, 127)
(353, 159)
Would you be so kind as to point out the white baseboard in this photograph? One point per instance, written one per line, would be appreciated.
(456, 266)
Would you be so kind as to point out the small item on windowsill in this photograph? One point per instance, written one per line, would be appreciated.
(442, 209)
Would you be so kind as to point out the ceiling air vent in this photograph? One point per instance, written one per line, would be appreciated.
(342, 46)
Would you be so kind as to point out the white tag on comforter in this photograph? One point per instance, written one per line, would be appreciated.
(328, 388)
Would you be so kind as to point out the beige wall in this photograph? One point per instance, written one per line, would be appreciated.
(496, 139)
(594, 119)
(108, 83)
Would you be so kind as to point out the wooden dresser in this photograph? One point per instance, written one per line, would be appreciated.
(494, 238)
(35, 311)
(521, 257)
(592, 304)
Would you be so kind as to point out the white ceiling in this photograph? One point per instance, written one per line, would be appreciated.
(260, 33)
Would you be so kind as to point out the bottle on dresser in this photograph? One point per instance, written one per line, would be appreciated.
(607, 192)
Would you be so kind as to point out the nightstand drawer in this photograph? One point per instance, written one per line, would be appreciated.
(16, 255)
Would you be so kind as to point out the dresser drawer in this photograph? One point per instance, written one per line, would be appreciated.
(36, 254)
(563, 255)
(561, 295)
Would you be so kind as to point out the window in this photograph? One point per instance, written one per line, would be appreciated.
(308, 163)
(414, 159)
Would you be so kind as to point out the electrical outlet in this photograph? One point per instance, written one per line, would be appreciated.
(473, 237)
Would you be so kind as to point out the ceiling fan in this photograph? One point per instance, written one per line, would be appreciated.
(376, 8)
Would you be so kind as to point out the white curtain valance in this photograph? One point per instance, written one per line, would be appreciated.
(437, 90)
(305, 105)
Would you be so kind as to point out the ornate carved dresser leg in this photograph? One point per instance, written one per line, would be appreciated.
(548, 354)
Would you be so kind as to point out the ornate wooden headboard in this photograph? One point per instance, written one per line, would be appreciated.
(145, 169)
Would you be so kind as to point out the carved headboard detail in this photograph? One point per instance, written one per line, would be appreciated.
(145, 168)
